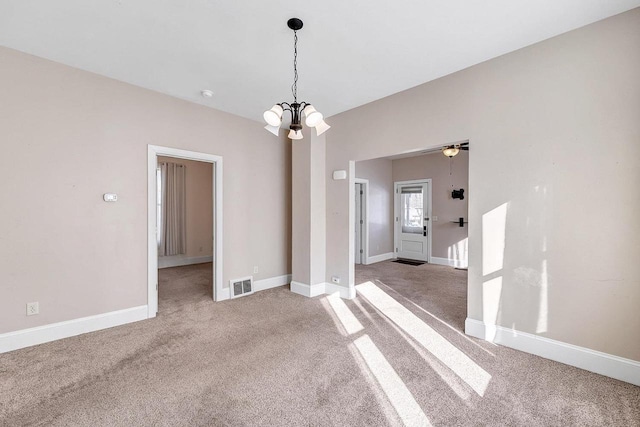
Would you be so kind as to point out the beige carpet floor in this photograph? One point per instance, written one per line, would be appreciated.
(279, 359)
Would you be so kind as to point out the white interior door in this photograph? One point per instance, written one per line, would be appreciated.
(413, 227)
(359, 250)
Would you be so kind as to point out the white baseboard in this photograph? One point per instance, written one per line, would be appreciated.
(450, 262)
(307, 290)
(55, 331)
(343, 291)
(591, 360)
(259, 285)
(180, 260)
(271, 282)
(321, 289)
(224, 294)
(41, 334)
(380, 258)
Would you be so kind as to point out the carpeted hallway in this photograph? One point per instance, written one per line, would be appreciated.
(276, 358)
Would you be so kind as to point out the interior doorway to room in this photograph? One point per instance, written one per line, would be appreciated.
(184, 230)
(412, 230)
(185, 226)
(415, 207)
(361, 251)
(417, 217)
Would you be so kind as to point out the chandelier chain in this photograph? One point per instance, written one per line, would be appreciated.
(294, 87)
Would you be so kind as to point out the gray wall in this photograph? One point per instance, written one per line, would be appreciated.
(380, 216)
(68, 136)
(553, 229)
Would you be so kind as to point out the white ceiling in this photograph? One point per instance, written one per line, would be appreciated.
(350, 52)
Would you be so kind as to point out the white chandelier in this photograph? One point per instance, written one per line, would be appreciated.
(313, 118)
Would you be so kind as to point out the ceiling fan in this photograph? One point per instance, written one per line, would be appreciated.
(452, 150)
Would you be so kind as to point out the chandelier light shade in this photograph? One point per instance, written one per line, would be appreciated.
(273, 129)
(321, 128)
(313, 118)
(295, 134)
(273, 117)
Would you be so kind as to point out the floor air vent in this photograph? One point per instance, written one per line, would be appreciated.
(241, 287)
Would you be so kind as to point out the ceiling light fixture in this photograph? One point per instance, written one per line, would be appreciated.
(313, 118)
(207, 93)
(450, 151)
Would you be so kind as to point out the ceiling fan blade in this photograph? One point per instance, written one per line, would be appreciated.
(464, 148)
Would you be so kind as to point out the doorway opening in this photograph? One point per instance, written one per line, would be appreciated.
(185, 223)
(412, 216)
(185, 231)
(361, 192)
(415, 214)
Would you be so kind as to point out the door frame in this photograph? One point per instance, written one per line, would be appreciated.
(396, 212)
(153, 151)
(365, 219)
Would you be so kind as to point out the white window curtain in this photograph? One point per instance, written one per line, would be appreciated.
(172, 230)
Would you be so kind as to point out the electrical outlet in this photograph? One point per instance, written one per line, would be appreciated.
(335, 279)
(255, 269)
(32, 308)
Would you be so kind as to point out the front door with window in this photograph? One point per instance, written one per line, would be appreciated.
(412, 220)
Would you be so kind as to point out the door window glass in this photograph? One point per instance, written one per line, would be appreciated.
(412, 207)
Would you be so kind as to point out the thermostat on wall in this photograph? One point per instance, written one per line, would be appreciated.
(110, 197)
(339, 174)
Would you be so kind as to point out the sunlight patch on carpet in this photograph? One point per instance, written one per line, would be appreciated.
(465, 368)
(346, 317)
(394, 388)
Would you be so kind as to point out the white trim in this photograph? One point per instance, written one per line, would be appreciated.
(450, 262)
(153, 151)
(306, 290)
(591, 360)
(379, 258)
(365, 219)
(41, 334)
(396, 200)
(271, 282)
(180, 260)
(224, 294)
(343, 291)
(323, 288)
(351, 280)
